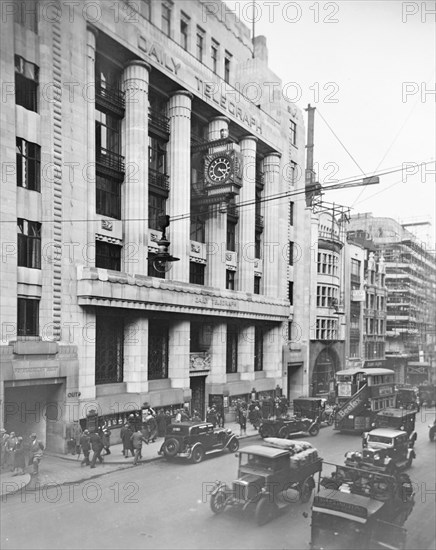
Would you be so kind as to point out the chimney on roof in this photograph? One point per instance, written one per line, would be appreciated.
(260, 49)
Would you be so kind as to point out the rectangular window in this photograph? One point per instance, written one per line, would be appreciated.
(200, 44)
(27, 317)
(158, 340)
(107, 255)
(231, 236)
(227, 66)
(257, 281)
(293, 132)
(196, 273)
(107, 133)
(355, 268)
(157, 155)
(291, 253)
(156, 208)
(166, 19)
(214, 49)
(26, 84)
(232, 349)
(291, 292)
(184, 31)
(294, 172)
(258, 245)
(29, 243)
(108, 197)
(28, 156)
(258, 349)
(230, 279)
(26, 14)
(291, 213)
(145, 9)
(198, 228)
(109, 349)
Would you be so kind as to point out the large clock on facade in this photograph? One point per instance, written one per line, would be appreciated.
(219, 169)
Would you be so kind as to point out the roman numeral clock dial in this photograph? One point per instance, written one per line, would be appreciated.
(219, 169)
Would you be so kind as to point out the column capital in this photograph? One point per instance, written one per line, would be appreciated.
(273, 154)
(182, 92)
(249, 137)
(138, 62)
(220, 119)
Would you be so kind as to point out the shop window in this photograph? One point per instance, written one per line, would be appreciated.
(26, 84)
(109, 349)
(196, 273)
(29, 243)
(158, 340)
(27, 317)
(28, 156)
(107, 255)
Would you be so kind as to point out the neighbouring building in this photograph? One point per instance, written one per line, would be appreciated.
(408, 270)
(114, 116)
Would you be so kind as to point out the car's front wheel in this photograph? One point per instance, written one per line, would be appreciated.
(218, 502)
(314, 430)
(171, 447)
(197, 454)
(266, 430)
(264, 510)
(233, 445)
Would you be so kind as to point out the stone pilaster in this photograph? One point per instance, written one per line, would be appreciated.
(247, 217)
(136, 76)
(218, 354)
(86, 348)
(179, 203)
(272, 352)
(272, 249)
(136, 355)
(179, 345)
(90, 174)
(216, 224)
(246, 352)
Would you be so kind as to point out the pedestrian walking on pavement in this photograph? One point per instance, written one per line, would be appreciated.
(161, 423)
(85, 445)
(126, 439)
(137, 439)
(36, 452)
(106, 441)
(19, 458)
(242, 420)
(151, 426)
(97, 447)
(4, 436)
(11, 442)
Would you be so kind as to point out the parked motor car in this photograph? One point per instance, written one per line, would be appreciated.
(315, 408)
(193, 440)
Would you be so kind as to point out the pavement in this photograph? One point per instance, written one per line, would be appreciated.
(66, 469)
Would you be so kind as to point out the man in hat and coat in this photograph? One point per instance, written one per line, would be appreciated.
(97, 447)
(36, 448)
(85, 444)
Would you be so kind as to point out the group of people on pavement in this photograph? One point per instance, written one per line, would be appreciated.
(14, 450)
(97, 442)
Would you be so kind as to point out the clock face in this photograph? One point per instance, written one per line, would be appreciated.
(219, 169)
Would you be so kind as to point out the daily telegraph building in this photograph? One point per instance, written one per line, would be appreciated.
(113, 115)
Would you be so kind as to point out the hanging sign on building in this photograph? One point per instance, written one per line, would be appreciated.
(357, 295)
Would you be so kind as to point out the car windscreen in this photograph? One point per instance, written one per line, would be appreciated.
(380, 439)
(249, 460)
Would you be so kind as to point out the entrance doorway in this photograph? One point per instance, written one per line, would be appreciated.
(198, 399)
(323, 373)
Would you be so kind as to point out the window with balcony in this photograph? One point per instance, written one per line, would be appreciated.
(29, 243)
(26, 84)
(156, 208)
(231, 236)
(200, 44)
(214, 49)
(108, 142)
(257, 281)
(107, 255)
(230, 279)
(27, 317)
(166, 19)
(108, 197)
(196, 273)
(26, 14)
(293, 132)
(158, 344)
(227, 66)
(157, 163)
(108, 93)
(258, 349)
(184, 31)
(28, 157)
(232, 349)
(109, 349)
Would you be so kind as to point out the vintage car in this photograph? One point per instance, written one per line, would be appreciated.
(386, 448)
(285, 426)
(398, 419)
(315, 408)
(266, 474)
(407, 397)
(193, 440)
(432, 431)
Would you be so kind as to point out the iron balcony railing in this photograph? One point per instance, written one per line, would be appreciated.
(162, 181)
(158, 121)
(109, 159)
(110, 97)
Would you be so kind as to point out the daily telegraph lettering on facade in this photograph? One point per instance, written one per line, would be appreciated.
(209, 90)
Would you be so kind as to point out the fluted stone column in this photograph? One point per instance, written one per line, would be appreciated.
(216, 224)
(136, 76)
(136, 356)
(272, 249)
(90, 174)
(179, 347)
(179, 203)
(246, 340)
(247, 216)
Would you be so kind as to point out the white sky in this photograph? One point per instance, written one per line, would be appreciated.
(363, 61)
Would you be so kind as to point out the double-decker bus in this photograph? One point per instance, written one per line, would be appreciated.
(360, 395)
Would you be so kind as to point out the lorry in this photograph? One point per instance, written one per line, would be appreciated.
(361, 508)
